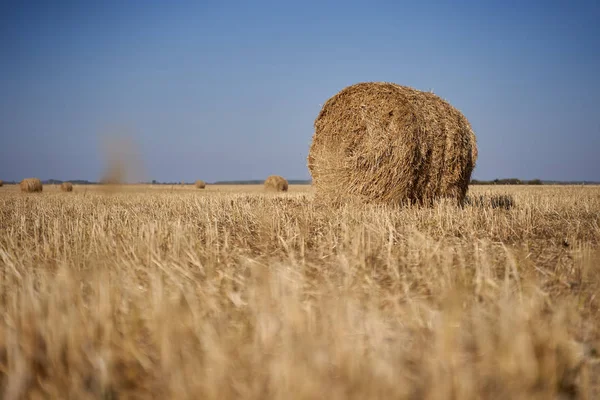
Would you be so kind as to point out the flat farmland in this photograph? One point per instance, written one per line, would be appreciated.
(229, 292)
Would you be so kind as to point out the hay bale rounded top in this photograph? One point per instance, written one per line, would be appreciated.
(31, 185)
(380, 142)
(66, 187)
(276, 183)
(200, 184)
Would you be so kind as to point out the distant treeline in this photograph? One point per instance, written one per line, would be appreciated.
(506, 181)
(57, 182)
(509, 181)
(260, 182)
(515, 181)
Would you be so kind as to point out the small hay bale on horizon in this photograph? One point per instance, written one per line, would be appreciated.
(1, 183)
(200, 184)
(379, 142)
(30, 185)
(276, 183)
(66, 187)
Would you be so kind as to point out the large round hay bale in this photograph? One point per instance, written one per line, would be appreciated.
(30, 185)
(380, 142)
(276, 183)
(200, 184)
(1, 183)
(66, 187)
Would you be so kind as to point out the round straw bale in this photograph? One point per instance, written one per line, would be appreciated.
(276, 183)
(200, 184)
(31, 185)
(380, 142)
(1, 183)
(66, 187)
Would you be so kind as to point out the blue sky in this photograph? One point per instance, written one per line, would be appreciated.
(222, 91)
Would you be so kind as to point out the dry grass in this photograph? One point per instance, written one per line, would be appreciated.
(239, 295)
(30, 185)
(66, 187)
(276, 183)
(378, 142)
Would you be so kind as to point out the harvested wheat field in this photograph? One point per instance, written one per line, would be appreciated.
(236, 294)
(379, 142)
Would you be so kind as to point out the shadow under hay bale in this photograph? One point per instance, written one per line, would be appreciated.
(276, 183)
(200, 184)
(66, 187)
(504, 201)
(385, 143)
(31, 185)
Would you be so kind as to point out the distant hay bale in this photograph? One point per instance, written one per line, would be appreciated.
(30, 185)
(276, 183)
(1, 183)
(200, 184)
(66, 187)
(380, 142)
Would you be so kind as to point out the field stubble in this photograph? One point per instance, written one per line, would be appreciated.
(170, 292)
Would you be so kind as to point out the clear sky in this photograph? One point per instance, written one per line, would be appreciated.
(219, 90)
